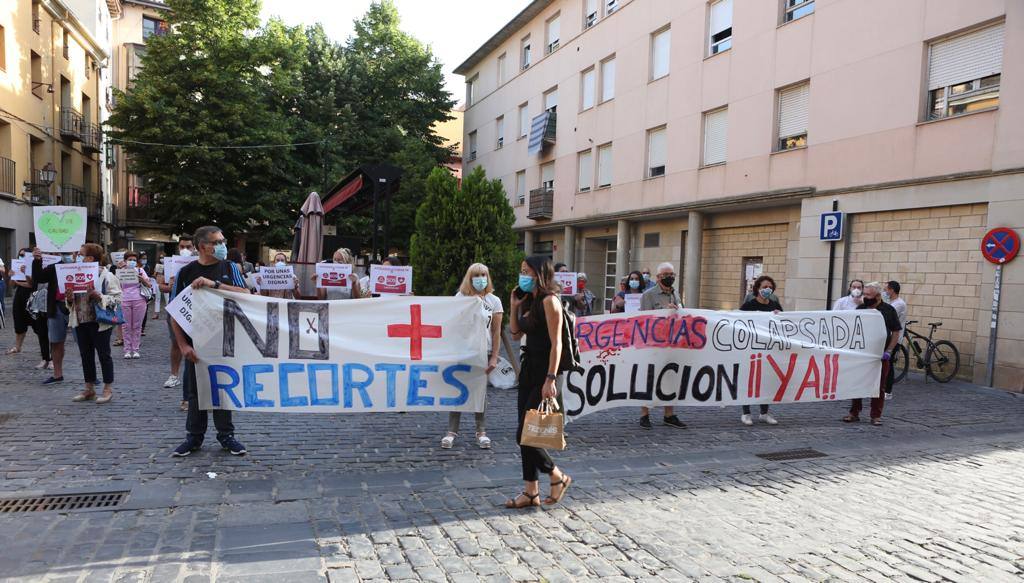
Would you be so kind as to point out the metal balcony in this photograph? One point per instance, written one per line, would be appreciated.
(71, 195)
(139, 208)
(92, 138)
(70, 124)
(39, 190)
(7, 173)
(542, 203)
(95, 206)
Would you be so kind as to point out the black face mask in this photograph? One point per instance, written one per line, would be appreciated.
(870, 301)
(668, 281)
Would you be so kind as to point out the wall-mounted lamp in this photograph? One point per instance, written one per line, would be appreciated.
(49, 86)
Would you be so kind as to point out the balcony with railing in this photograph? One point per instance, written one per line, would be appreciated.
(70, 123)
(95, 206)
(92, 137)
(71, 195)
(140, 207)
(542, 204)
(7, 173)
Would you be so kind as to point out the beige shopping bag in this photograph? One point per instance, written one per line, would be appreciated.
(543, 427)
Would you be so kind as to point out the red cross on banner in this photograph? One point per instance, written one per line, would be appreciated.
(415, 331)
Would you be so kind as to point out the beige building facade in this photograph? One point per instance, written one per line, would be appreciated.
(51, 110)
(714, 135)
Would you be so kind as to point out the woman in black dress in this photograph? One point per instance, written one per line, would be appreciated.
(537, 313)
(764, 300)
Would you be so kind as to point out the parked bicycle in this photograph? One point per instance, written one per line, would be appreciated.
(939, 359)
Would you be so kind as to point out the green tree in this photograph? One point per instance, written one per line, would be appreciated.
(218, 81)
(458, 227)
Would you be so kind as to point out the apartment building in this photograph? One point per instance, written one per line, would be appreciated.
(136, 21)
(51, 88)
(714, 134)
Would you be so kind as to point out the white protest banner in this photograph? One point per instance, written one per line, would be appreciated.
(20, 269)
(128, 275)
(707, 358)
(116, 257)
(332, 275)
(277, 278)
(49, 260)
(389, 280)
(390, 354)
(633, 303)
(174, 263)
(180, 308)
(568, 281)
(77, 277)
(59, 228)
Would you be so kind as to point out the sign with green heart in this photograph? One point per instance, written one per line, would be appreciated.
(60, 229)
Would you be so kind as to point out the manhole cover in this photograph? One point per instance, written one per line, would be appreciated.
(62, 502)
(791, 454)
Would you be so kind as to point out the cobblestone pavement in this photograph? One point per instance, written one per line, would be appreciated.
(930, 496)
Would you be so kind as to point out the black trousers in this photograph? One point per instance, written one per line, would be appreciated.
(746, 409)
(93, 343)
(43, 334)
(532, 375)
(197, 420)
(19, 310)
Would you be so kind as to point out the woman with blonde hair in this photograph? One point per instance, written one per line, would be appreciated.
(344, 257)
(477, 284)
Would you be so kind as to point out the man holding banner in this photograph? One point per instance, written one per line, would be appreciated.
(213, 271)
(662, 297)
(873, 301)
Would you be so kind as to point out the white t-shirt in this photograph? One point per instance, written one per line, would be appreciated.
(845, 303)
(901, 310)
(491, 305)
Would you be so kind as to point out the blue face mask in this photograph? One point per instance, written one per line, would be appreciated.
(480, 283)
(278, 264)
(132, 263)
(79, 259)
(526, 283)
(766, 293)
(220, 251)
(67, 258)
(634, 284)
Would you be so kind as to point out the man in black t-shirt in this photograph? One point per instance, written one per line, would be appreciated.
(212, 271)
(873, 301)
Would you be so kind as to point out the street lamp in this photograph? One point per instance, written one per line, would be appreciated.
(47, 176)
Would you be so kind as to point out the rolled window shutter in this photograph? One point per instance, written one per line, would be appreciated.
(793, 105)
(607, 80)
(721, 16)
(586, 170)
(588, 89)
(547, 173)
(604, 166)
(656, 149)
(554, 32)
(966, 57)
(716, 130)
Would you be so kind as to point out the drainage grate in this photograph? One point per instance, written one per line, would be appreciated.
(62, 502)
(791, 454)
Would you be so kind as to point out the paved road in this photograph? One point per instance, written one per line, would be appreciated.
(932, 495)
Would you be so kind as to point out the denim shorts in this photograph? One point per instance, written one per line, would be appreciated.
(57, 327)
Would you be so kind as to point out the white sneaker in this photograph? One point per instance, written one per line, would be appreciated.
(136, 354)
(767, 418)
(888, 396)
(171, 382)
(127, 355)
(483, 441)
(746, 420)
(447, 441)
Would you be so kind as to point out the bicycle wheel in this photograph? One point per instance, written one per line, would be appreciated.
(900, 363)
(942, 361)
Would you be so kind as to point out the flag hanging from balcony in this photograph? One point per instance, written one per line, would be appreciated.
(542, 130)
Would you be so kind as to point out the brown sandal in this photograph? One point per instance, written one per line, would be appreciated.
(565, 482)
(851, 419)
(84, 396)
(531, 500)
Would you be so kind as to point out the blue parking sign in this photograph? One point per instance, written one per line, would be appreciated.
(831, 227)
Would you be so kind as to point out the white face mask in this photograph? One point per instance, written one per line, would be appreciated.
(280, 264)
(855, 292)
(885, 297)
(185, 252)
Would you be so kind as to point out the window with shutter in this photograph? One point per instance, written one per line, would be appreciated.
(521, 188)
(554, 35)
(551, 100)
(589, 13)
(501, 69)
(607, 79)
(720, 30)
(964, 72)
(604, 166)
(547, 176)
(524, 52)
(586, 171)
(660, 46)
(656, 152)
(611, 6)
(792, 121)
(795, 9)
(472, 146)
(716, 129)
(587, 90)
(499, 130)
(471, 90)
(524, 120)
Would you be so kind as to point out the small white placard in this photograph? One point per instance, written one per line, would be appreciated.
(333, 275)
(633, 303)
(567, 280)
(277, 278)
(77, 277)
(388, 280)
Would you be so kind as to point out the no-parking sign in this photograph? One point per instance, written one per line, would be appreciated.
(1000, 245)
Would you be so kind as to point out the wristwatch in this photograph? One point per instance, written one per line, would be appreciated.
(216, 284)
(551, 377)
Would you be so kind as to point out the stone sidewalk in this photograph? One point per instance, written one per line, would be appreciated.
(929, 496)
